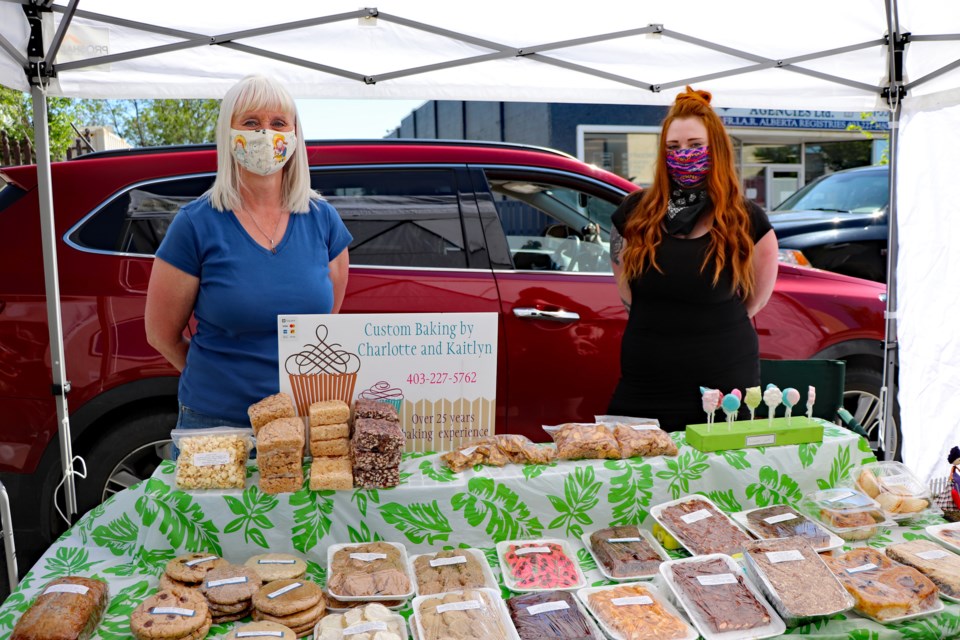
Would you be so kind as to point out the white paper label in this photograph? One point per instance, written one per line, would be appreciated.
(623, 539)
(784, 556)
(696, 516)
(525, 550)
(365, 627)
(759, 441)
(176, 611)
(468, 451)
(546, 607)
(67, 588)
(783, 517)
(863, 567)
(283, 590)
(459, 606)
(276, 562)
(443, 562)
(258, 634)
(368, 557)
(897, 479)
(226, 581)
(645, 427)
(934, 554)
(210, 458)
(632, 600)
(717, 579)
(841, 496)
(193, 563)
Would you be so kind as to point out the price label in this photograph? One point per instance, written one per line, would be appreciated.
(863, 567)
(525, 550)
(784, 556)
(761, 441)
(177, 611)
(783, 517)
(933, 554)
(841, 496)
(282, 590)
(633, 600)
(258, 634)
(78, 589)
(717, 579)
(442, 562)
(368, 557)
(696, 516)
(623, 539)
(276, 562)
(193, 563)
(226, 581)
(645, 427)
(468, 451)
(365, 627)
(546, 607)
(210, 458)
(459, 606)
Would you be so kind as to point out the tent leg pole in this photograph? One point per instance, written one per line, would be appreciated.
(52, 287)
(9, 548)
(890, 349)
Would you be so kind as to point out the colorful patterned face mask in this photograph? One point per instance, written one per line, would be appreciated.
(262, 151)
(688, 167)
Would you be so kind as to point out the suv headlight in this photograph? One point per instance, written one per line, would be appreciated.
(794, 257)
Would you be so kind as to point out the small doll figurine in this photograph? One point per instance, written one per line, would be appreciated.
(954, 459)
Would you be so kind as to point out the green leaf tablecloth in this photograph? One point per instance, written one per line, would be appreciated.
(128, 540)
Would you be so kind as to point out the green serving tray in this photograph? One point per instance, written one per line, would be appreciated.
(743, 434)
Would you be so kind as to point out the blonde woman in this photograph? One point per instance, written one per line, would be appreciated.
(258, 244)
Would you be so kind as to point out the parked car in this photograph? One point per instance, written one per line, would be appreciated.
(839, 222)
(437, 226)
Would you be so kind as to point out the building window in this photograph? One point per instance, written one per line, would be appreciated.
(630, 152)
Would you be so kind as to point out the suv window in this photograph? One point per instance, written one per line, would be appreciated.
(398, 218)
(552, 226)
(854, 192)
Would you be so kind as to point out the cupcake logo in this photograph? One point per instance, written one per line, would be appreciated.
(322, 371)
(383, 392)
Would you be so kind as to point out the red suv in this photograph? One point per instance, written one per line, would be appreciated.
(437, 226)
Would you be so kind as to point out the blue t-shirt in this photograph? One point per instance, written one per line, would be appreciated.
(232, 359)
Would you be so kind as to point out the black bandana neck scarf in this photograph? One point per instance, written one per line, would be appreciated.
(684, 209)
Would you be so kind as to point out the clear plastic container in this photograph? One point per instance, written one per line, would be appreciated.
(212, 458)
(850, 514)
(634, 597)
(731, 584)
(900, 494)
(365, 559)
(342, 606)
(700, 526)
(781, 521)
(488, 579)
(369, 618)
(932, 560)
(548, 564)
(594, 630)
(795, 580)
(946, 534)
(485, 616)
(629, 537)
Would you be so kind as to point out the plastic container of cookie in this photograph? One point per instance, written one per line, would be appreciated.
(364, 619)
(946, 534)
(213, 458)
(850, 514)
(783, 521)
(377, 567)
(700, 525)
(641, 603)
(482, 616)
(459, 564)
(547, 564)
(342, 606)
(633, 553)
(715, 592)
(551, 601)
(900, 494)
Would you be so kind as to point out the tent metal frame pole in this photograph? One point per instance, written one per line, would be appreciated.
(9, 546)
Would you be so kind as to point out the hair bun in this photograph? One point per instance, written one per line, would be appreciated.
(695, 94)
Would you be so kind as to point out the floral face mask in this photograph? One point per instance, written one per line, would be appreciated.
(262, 151)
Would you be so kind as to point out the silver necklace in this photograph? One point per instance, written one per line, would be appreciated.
(273, 245)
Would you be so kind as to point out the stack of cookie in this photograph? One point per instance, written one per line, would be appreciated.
(330, 445)
(229, 592)
(188, 572)
(377, 444)
(271, 408)
(280, 455)
(171, 616)
(277, 566)
(296, 604)
(261, 630)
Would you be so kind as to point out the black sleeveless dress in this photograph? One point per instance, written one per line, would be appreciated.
(683, 332)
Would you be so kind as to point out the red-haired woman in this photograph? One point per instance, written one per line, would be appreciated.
(695, 262)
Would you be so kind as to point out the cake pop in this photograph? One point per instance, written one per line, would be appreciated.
(790, 398)
(731, 405)
(710, 398)
(772, 398)
(753, 399)
(811, 398)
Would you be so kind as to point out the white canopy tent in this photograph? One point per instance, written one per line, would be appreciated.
(817, 55)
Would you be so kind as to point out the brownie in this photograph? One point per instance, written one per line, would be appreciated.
(376, 410)
(373, 460)
(376, 478)
(382, 436)
(560, 624)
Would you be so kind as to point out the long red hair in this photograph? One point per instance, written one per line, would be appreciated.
(730, 239)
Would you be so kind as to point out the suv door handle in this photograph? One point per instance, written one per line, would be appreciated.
(529, 313)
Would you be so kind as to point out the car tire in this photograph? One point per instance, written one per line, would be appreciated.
(129, 452)
(861, 398)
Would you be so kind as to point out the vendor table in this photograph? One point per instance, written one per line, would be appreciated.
(128, 540)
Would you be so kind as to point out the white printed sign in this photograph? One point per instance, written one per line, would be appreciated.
(438, 370)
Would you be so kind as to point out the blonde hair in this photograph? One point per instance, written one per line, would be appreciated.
(253, 93)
